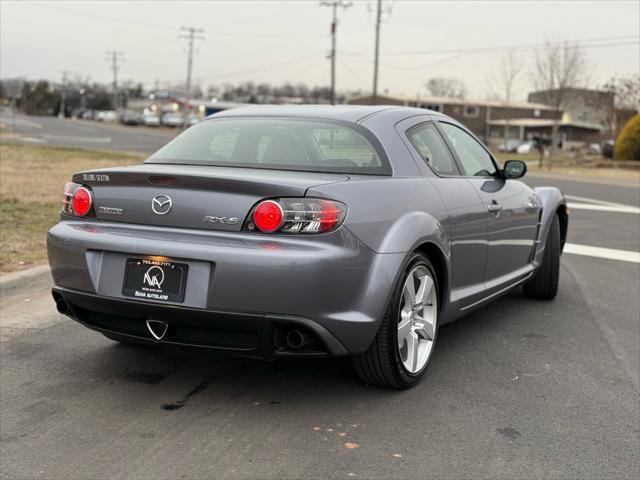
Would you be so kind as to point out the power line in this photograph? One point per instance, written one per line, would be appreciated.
(115, 58)
(264, 67)
(587, 43)
(191, 35)
(334, 4)
(353, 74)
(165, 26)
(101, 17)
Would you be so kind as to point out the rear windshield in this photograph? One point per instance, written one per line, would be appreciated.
(276, 143)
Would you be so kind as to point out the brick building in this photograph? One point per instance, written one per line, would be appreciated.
(493, 120)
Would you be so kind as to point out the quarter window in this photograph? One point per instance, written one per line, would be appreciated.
(432, 149)
(474, 159)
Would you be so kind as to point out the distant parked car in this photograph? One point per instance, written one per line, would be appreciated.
(106, 116)
(607, 148)
(509, 146)
(130, 118)
(191, 120)
(151, 120)
(172, 119)
(88, 115)
(595, 149)
(525, 148)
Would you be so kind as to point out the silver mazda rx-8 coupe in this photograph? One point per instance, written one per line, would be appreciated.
(276, 231)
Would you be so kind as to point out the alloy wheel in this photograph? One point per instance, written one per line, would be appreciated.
(417, 321)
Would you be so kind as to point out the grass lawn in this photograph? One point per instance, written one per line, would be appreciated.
(31, 182)
(588, 166)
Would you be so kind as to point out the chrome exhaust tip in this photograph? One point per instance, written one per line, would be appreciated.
(297, 339)
(62, 306)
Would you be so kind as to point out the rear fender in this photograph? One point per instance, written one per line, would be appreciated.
(416, 231)
(551, 200)
(412, 230)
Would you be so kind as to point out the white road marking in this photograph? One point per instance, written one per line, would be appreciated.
(590, 200)
(585, 203)
(32, 139)
(612, 208)
(70, 138)
(601, 252)
(23, 123)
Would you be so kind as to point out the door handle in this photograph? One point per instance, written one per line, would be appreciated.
(494, 207)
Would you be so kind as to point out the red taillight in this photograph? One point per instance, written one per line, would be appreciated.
(81, 202)
(330, 215)
(296, 215)
(268, 216)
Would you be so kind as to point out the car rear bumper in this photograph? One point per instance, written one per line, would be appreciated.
(242, 291)
(247, 333)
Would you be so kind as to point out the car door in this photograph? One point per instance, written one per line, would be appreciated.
(510, 207)
(466, 220)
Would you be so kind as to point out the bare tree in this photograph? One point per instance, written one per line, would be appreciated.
(561, 67)
(446, 87)
(504, 81)
(626, 99)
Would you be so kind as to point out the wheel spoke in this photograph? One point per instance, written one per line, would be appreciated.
(428, 288)
(413, 343)
(404, 327)
(409, 291)
(424, 289)
(424, 327)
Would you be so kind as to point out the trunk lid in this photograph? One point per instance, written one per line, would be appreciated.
(191, 196)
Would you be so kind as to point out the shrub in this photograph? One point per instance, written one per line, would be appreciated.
(628, 142)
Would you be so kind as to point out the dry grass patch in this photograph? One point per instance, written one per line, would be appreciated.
(588, 166)
(31, 182)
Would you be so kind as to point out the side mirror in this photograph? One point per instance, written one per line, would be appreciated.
(514, 169)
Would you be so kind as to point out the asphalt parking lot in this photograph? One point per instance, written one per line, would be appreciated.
(519, 389)
(36, 130)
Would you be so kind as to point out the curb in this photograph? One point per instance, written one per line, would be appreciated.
(17, 279)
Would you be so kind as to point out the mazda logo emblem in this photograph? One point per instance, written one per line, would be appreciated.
(161, 204)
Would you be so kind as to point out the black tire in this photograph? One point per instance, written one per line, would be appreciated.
(381, 363)
(544, 285)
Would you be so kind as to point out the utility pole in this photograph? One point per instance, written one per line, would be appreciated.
(377, 52)
(115, 57)
(334, 4)
(63, 94)
(191, 35)
(376, 56)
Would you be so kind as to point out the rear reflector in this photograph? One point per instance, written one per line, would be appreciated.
(296, 215)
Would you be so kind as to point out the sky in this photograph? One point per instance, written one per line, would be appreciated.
(288, 41)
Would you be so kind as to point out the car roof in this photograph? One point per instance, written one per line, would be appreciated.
(349, 113)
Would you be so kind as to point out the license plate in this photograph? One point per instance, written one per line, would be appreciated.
(155, 279)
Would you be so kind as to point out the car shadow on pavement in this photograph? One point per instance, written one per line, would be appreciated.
(179, 377)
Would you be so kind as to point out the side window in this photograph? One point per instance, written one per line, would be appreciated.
(427, 141)
(475, 160)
